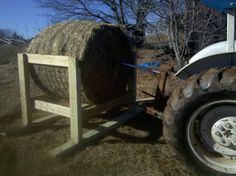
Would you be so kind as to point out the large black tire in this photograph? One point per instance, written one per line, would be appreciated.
(211, 85)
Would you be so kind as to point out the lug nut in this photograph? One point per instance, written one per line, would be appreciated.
(218, 134)
(222, 141)
(228, 125)
(221, 128)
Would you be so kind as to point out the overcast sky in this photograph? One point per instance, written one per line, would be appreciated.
(22, 16)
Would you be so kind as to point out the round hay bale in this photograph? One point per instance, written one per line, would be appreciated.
(101, 48)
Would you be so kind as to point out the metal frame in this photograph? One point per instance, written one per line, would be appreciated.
(231, 30)
(76, 112)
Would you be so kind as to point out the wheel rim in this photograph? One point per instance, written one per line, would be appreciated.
(220, 152)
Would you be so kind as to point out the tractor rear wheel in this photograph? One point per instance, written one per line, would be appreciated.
(200, 121)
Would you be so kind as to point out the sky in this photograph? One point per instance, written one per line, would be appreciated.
(22, 16)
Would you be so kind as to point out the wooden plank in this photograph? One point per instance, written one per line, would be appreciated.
(61, 61)
(40, 96)
(52, 108)
(93, 135)
(24, 89)
(88, 109)
(110, 125)
(84, 105)
(46, 119)
(75, 100)
(97, 109)
(65, 149)
(145, 100)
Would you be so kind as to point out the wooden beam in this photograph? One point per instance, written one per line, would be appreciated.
(87, 111)
(74, 72)
(24, 89)
(97, 109)
(110, 125)
(52, 108)
(145, 100)
(61, 61)
(46, 119)
(93, 135)
(65, 149)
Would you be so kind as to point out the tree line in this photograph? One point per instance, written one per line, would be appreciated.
(188, 25)
(10, 34)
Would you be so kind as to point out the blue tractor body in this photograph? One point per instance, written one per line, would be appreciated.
(220, 5)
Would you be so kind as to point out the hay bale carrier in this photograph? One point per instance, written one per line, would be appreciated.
(90, 78)
(77, 111)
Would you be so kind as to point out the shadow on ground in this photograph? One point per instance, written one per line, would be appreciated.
(134, 149)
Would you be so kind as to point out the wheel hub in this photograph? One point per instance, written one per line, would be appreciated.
(203, 124)
(223, 133)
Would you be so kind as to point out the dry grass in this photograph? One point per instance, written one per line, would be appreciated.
(9, 81)
(134, 149)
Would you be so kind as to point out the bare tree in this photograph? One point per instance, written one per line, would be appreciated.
(129, 14)
(120, 12)
(187, 24)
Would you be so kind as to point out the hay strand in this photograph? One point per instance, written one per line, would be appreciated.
(100, 47)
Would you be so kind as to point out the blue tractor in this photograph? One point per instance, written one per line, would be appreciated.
(200, 116)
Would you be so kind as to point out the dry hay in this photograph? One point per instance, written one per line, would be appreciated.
(100, 47)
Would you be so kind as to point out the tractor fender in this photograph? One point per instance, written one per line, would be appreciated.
(215, 55)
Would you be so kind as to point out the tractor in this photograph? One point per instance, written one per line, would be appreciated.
(199, 118)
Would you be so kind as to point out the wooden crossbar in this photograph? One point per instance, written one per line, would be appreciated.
(61, 61)
(52, 108)
(87, 111)
(96, 109)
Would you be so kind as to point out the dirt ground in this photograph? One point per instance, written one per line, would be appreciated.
(134, 149)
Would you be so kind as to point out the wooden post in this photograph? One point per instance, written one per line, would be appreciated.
(132, 86)
(24, 89)
(74, 73)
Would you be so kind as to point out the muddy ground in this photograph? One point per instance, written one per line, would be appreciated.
(134, 149)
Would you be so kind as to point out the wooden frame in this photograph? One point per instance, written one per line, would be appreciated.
(76, 112)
